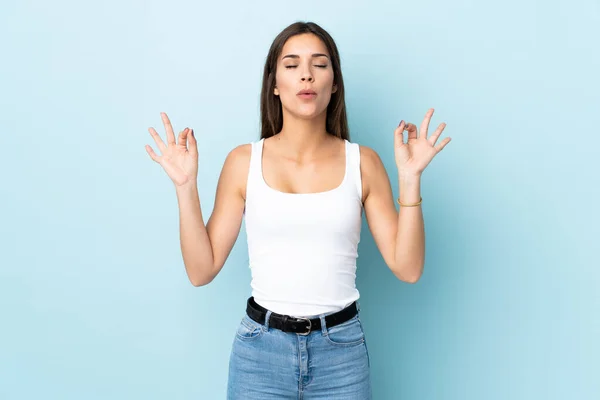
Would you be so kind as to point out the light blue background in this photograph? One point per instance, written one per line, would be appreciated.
(94, 300)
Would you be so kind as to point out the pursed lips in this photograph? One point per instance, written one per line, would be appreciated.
(307, 94)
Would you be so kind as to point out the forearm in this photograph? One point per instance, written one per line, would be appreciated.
(195, 243)
(409, 253)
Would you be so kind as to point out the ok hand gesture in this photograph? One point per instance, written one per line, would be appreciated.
(178, 159)
(413, 156)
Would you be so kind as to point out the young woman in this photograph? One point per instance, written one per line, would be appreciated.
(302, 189)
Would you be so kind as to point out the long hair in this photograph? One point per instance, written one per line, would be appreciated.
(271, 113)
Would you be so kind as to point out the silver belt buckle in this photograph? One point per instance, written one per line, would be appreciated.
(309, 325)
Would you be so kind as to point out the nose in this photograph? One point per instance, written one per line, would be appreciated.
(307, 75)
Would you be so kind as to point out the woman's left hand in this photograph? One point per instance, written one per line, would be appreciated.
(413, 156)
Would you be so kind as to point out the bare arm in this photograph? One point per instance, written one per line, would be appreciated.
(204, 247)
(399, 235)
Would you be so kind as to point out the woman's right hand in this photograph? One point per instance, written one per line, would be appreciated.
(178, 159)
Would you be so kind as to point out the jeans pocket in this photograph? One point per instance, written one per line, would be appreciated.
(248, 329)
(349, 333)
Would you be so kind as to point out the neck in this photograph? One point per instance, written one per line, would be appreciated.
(303, 137)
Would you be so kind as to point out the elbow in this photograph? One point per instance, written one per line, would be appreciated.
(412, 279)
(198, 283)
(201, 280)
(408, 274)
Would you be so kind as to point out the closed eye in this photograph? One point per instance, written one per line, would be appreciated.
(294, 66)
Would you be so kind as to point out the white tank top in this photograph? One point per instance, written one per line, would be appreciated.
(303, 246)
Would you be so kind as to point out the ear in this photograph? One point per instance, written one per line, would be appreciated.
(334, 89)
(276, 91)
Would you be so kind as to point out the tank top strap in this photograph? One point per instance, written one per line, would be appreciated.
(353, 165)
(256, 157)
(255, 169)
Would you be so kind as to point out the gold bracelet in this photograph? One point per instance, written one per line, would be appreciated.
(410, 205)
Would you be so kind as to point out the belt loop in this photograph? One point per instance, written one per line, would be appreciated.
(323, 324)
(267, 319)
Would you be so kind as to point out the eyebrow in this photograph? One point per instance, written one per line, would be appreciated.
(297, 56)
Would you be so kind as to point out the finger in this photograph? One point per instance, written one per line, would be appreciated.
(152, 154)
(442, 144)
(412, 130)
(181, 140)
(168, 128)
(398, 134)
(192, 144)
(435, 135)
(425, 123)
(157, 140)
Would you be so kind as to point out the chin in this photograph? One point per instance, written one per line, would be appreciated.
(305, 115)
(307, 112)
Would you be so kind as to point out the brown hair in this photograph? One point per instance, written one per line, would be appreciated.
(270, 104)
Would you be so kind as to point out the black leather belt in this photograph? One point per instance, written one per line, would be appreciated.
(302, 326)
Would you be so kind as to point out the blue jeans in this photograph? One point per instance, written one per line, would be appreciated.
(267, 363)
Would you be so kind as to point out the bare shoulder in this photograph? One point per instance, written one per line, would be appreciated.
(370, 162)
(239, 157)
(236, 167)
(240, 154)
(372, 170)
